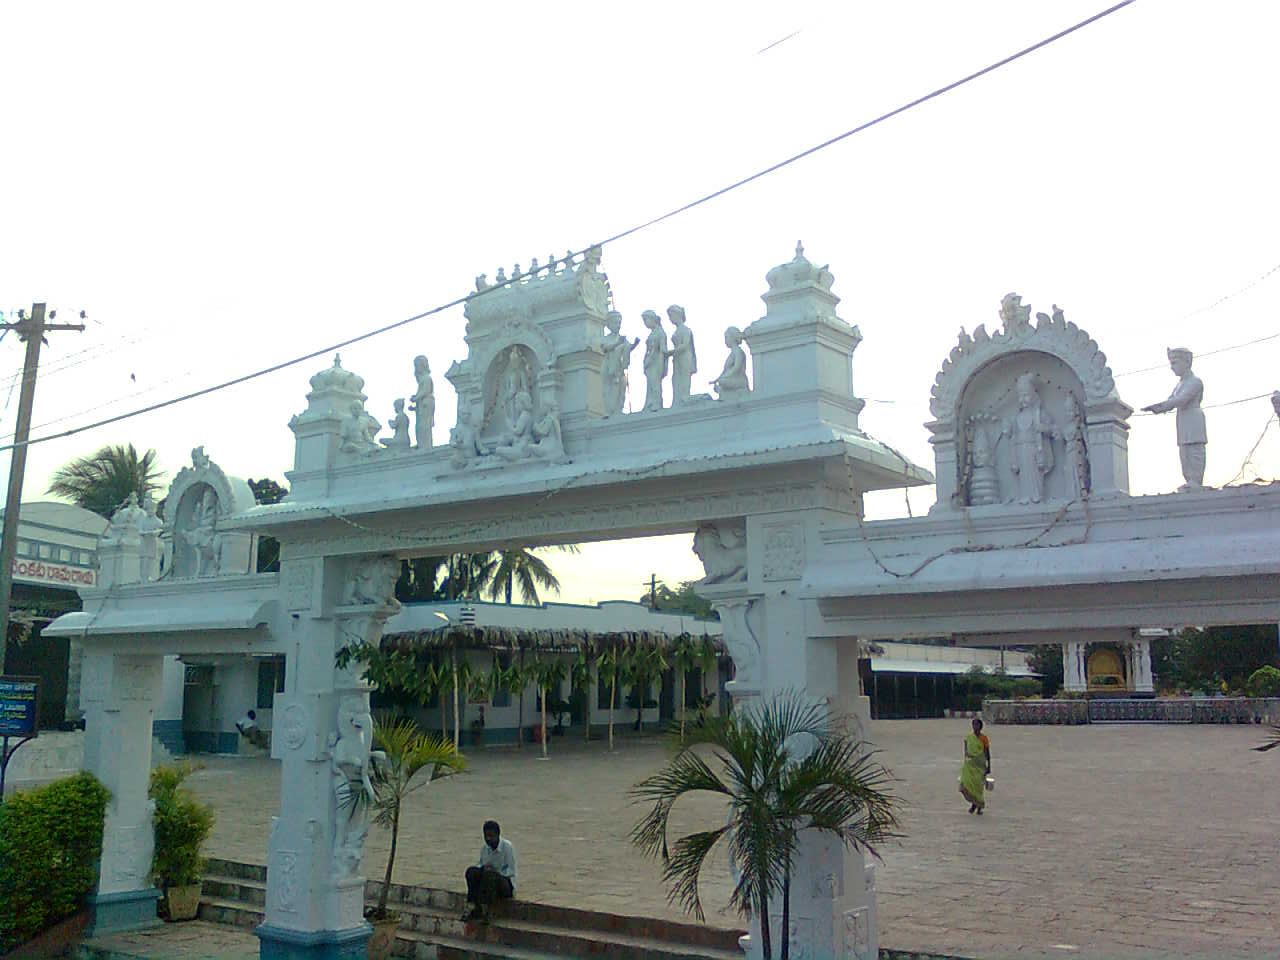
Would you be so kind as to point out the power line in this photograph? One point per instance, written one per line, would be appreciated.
(707, 198)
(1198, 356)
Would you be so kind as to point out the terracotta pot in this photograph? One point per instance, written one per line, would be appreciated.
(183, 903)
(383, 937)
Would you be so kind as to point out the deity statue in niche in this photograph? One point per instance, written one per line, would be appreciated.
(732, 382)
(1077, 456)
(399, 424)
(515, 443)
(684, 359)
(983, 482)
(515, 381)
(655, 360)
(201, 534)
(1192, 438)
(423, 404)
(617, 358)
(1031, 431)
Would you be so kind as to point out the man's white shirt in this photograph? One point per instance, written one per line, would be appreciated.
(502, 859)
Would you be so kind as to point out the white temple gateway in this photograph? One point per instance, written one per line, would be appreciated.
(1034, 540)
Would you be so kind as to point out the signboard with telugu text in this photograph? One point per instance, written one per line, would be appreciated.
(19, 706)
(53, 574)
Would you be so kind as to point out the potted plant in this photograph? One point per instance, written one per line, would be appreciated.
(182, 824)
(405, 753)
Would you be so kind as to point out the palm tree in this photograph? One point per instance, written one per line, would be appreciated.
(783, 767)
(644, 665)
(407, 752)
(686, 655)
(102, 482)
(467, 574)
(548, 674)
(522, 567)
(580, 677)
(612, 666)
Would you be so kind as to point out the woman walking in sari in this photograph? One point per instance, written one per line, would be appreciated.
(977, 766)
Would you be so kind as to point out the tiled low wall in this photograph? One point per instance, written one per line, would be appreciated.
(1105, 710)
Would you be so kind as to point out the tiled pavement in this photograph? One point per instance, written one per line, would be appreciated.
(1099, 841)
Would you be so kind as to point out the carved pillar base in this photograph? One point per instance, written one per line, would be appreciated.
(281, 943)
(118, 912)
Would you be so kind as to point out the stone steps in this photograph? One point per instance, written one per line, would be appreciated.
(431, 924)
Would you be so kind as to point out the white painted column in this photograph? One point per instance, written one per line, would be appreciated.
(118, 695)
(1143, 681)
(1074, 677)
(315, 887)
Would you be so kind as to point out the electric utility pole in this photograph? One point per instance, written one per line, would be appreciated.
(31, 331)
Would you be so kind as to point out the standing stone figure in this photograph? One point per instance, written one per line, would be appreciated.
(732, 382)
(423, 403)
(684, 360)
(617, 358)
(655, 360)
(1032, 431)
(515, 381)
(1185, 398)
(1074, 447)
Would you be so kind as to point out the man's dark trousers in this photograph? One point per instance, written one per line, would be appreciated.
(485, 885)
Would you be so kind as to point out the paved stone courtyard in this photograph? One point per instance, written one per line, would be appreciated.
(1100, 841)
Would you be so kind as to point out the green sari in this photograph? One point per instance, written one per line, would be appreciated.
(974, 771)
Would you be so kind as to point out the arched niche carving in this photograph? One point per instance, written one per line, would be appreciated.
(976, 387)
(200, 496)
(985, 428)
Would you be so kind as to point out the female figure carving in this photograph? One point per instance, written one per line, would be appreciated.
(684, 360)
(423, 403)
(1077, 456)
(655, 360)
(617, 358)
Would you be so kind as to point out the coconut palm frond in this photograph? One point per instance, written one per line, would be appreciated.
(1274, 742)
(103, 481)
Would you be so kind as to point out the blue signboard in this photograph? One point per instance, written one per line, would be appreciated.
(19, 699)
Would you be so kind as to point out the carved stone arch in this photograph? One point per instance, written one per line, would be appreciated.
(183, 507)
(1069, 362)
(1055, 336)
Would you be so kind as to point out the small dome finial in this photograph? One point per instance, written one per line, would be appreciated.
(337, 360)
(799, 250)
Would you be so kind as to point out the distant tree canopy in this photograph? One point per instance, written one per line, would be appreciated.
(681, 600)
(1195, 659)
(268, 491)
(103, 481)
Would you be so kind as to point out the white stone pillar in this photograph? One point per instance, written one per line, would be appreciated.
(1074, 677)
(315, 888)
(832, 908)
(1142, 681)
(118, 695)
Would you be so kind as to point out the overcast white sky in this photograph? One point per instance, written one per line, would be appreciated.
(227, 185)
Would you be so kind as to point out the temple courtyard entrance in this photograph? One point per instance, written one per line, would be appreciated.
(1120, 840)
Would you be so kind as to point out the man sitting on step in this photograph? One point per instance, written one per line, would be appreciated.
(495, 876)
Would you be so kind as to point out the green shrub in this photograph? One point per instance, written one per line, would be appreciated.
(978, 685)
(50, 842)
(182, 823)
(1264, 682)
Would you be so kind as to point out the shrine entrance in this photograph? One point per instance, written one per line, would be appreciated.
(541, 454)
